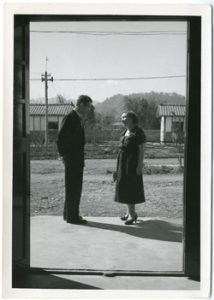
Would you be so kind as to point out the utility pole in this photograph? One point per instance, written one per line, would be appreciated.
(46, 77)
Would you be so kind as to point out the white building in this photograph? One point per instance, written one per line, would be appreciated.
(172, 121)
(56, 112)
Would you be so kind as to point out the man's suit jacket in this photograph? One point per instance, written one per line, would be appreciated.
(71, 139)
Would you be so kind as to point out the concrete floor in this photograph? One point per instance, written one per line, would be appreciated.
(105, 244)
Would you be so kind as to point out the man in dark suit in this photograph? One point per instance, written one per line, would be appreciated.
(70, 142)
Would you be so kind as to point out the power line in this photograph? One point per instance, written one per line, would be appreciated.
(53, 87)
(112, 32)
(115, 78)
(58, 92)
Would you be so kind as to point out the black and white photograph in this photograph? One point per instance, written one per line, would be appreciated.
(110, 115)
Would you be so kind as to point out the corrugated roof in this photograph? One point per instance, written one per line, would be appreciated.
(172, 110)
(53, 109)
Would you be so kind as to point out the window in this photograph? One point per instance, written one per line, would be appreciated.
(53, 125)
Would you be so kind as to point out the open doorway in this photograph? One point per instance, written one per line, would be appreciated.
(122, 65)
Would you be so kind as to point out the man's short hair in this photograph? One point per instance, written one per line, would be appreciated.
(84, 99)
(132, 115)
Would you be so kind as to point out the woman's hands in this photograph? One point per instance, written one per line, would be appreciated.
(115, 176)
(139, 170)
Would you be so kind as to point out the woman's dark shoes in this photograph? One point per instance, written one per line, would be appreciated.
(131, 221)
(79, 220)
(124, 218)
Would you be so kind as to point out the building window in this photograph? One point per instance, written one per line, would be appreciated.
(53, 125)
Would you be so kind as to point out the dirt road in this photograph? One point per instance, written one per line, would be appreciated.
(164, 193)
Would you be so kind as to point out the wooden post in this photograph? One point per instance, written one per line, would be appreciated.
(46, 79)
(162, 130)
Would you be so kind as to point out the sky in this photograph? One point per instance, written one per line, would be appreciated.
(112, 51)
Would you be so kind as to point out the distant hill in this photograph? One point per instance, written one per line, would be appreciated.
(161, 98)
(116, 104)
(112, 106)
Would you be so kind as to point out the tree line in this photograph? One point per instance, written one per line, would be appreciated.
(145, 110)
(145, 105)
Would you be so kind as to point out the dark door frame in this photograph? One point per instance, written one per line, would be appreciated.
(192, 152)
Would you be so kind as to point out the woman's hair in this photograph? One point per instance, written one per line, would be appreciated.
(84, 99)
(130, 114)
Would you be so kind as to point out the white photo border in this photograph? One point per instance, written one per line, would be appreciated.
(204, 11)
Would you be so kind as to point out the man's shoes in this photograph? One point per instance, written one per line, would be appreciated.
(79, 220)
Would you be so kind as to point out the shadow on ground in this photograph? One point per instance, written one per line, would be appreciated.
(43, 280)
(149, 229)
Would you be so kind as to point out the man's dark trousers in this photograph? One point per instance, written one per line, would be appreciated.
(73, 189)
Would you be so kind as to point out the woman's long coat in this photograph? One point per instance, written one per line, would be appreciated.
(129, 185)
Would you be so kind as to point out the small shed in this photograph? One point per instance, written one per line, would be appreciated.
(173, 122)
(56, 112)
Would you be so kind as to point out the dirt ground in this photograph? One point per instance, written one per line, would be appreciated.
(164, 193)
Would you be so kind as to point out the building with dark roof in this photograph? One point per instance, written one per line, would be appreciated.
(172, 122)
(56, 112)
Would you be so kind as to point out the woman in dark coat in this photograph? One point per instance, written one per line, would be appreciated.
(129, 180)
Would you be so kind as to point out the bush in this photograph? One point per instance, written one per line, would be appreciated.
(150, 170)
